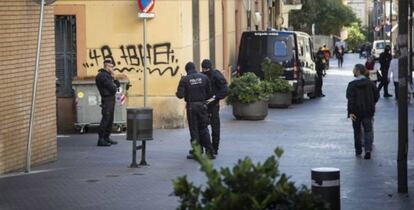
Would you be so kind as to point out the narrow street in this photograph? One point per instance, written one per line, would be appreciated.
(316, 133)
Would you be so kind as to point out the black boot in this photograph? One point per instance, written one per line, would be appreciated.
(103, 143)
(111, 141)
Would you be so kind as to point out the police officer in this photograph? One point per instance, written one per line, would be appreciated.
(195, 89)
(219, 91)
(107, 87)
(385, 60)
(320, 72)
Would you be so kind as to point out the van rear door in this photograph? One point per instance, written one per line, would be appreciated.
(281, 49)
(252, 53)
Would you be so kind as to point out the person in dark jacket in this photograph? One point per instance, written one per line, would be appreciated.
(385, 60)
(219, 91)
(362, 96)
(107, 87)
(320, 72)
(196, 90)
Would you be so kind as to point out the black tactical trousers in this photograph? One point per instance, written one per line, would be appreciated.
(197, 122)
(318, 84)
(213, 112)
(384, 82)
(105, 127)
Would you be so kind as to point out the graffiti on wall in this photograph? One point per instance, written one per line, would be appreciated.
(160, 58)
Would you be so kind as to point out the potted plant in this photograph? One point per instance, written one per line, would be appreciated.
(280, 88)
(248, 96)
(245, 186)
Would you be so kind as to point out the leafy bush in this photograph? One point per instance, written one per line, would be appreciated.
(280, 86)
(247, 186)
(248, 89)
(272, 72)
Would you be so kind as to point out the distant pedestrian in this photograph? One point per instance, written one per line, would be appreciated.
(385, 60)
(320, 72)
(372, 70)
(362, 96)
(107, 87)
(327, 55)
(340, 56)
(196, 90)
(393, 72)
(219, 91)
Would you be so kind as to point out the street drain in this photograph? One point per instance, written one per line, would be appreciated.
(92, 180)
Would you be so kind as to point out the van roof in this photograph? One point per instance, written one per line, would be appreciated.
(275, 33)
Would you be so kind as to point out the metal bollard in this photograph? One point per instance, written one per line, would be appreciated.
(326, 183)
(139, 128)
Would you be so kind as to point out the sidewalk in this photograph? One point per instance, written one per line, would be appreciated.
(313, 134)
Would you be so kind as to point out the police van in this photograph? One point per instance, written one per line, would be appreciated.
(292, 49)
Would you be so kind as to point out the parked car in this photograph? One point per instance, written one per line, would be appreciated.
(292, 49)
(378, 47)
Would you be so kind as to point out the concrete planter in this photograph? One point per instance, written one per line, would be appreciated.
(252, 111)
(280, 100)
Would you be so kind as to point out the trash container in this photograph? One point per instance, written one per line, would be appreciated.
(88, 101)
(139, 124)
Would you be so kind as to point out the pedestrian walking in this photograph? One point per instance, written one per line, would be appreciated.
(320, 72)
(219, 91)
(362, 96)
(195, 89)
(327, 54)
(107, 87)
(372, 70)
(393, 72)
(340, 56)
(385, 60)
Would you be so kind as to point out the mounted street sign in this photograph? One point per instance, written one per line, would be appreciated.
(146, 5)
(47, 2)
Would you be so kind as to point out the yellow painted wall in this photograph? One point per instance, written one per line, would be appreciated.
(219, 34)
(114, 31)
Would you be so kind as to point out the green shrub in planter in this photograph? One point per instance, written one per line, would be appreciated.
(248, 89)
(271, 70)
(246, 186)
(280, 86)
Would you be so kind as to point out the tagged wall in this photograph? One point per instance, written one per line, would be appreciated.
(113, 31)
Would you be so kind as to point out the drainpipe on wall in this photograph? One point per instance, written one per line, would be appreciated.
(225, 38)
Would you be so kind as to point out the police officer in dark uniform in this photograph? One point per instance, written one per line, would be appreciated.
(107, 87)
(195, 89)
(320, 72)
(219, 91)
(385, 60)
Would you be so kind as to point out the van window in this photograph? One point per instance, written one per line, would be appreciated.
(380, 45)
(280, 48)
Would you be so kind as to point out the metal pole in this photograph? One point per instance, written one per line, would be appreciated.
(402, 99)
(391, 22)
(34, 90)
(384, 18)
(145, 62)
(145, 86)
(410, 43)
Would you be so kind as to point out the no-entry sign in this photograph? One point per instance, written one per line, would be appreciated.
(146, 6)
